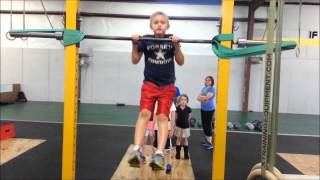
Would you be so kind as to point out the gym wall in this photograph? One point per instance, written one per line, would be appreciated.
(38, 64)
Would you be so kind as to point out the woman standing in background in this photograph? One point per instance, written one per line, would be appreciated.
(206, 98)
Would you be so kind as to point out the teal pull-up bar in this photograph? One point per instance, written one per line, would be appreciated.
(70, 37)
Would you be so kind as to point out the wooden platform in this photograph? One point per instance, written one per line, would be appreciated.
(14, 147)
(299, 177)
(181, 169)
(305, 163)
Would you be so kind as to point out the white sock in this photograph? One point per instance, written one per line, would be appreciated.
(136, 147)
(159, 152)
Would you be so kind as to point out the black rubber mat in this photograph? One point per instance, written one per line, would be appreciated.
(101, 148)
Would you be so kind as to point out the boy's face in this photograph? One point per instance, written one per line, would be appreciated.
(159, 24)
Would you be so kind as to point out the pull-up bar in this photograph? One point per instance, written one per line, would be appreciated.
(70, 37)
(55, 35)
(61, 34)
(58, 34)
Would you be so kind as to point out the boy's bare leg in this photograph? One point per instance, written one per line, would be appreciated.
(141, 127)
(162, 131)
(136, 156)
(158, 161)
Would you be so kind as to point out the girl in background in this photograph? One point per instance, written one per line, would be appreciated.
(182, 131)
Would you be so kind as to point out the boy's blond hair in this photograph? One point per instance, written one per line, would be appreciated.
(159, 13)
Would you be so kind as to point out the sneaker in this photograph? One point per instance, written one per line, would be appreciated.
(168, 169)
(136, 158)
(157, 162)
(205, 143)
(209, 147)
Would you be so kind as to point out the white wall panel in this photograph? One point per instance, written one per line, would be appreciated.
(86, 81)
(236, 84)
(299, 90)
(256, 87)
(105, 78)
(303, 87)
(149, 8)
(130, 79)
(36, 74)
(11, 66)
(56, 75)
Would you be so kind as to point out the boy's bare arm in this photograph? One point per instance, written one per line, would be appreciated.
(135, 55)
(178, 55)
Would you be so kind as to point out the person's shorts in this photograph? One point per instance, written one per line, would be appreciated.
(182, 132)
(155, 142)
(150, 93)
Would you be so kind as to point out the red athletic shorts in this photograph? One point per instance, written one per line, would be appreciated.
(150, 93)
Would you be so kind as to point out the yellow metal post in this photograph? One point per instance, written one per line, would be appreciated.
(218, 162)
(70, 97)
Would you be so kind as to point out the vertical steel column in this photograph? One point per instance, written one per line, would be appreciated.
(220, 133)
(70, 97)
(254, 5)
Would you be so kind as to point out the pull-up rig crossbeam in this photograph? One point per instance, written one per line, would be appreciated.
(70, 37)
(59, 36)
